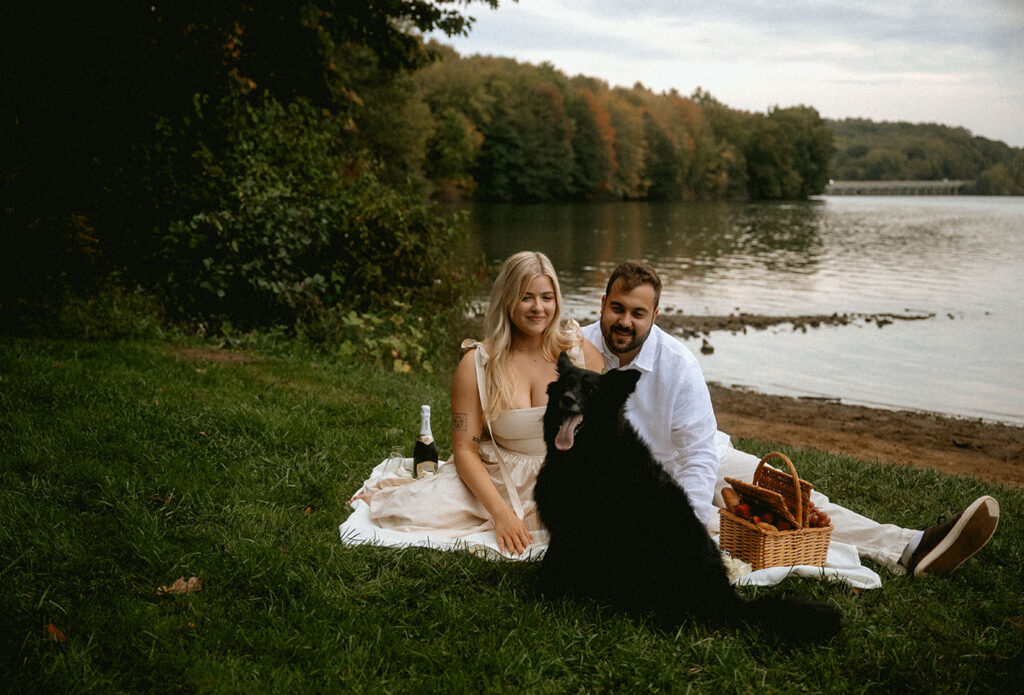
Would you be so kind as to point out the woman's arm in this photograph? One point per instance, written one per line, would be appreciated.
(467, 429)
(593, 357)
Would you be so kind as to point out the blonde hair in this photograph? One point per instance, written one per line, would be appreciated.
(516, 274)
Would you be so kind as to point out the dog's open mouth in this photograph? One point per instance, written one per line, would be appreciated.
(567, 432)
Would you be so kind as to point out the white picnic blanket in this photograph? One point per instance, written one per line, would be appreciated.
(842, 564)
(360, 529)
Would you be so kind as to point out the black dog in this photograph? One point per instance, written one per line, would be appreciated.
(624, 534)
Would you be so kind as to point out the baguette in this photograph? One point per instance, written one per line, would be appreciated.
(731, 498)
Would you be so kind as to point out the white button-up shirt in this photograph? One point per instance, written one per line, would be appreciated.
(671, 410)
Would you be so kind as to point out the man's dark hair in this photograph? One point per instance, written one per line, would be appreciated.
(633, 275)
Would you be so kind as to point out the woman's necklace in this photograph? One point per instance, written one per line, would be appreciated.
(528, 354)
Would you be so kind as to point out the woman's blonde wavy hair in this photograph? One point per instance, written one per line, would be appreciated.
(516, 274)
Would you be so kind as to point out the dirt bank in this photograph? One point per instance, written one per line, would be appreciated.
(956, 446)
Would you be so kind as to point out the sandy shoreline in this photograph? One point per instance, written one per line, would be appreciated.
(990, 451)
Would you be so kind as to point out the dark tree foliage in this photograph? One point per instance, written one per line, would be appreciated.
(526, 153)
(787, 154)
(592, 165)
(115, 115)
(867, 150)
(661, 163)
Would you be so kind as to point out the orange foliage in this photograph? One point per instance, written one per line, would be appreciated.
(55, 633)
(181, 586)
(605, 129)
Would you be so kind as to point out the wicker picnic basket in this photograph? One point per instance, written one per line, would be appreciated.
(788, 496)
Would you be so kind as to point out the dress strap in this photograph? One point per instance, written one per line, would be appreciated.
(480, 359)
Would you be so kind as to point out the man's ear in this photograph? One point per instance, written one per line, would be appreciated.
(604, 298)
(654, 316)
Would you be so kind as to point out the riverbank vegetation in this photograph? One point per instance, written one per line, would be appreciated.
(126, 464)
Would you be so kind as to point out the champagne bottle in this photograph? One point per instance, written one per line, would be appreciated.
(424, 456)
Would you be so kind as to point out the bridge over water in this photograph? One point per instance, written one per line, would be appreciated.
(944, 187)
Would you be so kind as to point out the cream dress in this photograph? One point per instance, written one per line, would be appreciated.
(443, 506)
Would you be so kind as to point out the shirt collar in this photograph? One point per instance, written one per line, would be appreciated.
(648, 354)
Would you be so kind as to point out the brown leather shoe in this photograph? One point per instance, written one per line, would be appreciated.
(946, 546)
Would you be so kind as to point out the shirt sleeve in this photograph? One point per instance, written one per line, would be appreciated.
(695, 468)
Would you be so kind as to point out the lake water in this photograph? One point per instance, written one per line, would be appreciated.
(959, 258)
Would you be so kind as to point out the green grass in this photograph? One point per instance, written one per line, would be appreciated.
(123, 467)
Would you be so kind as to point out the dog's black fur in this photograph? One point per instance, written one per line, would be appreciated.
(624, 534)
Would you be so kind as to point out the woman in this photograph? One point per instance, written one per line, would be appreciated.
(498, 396)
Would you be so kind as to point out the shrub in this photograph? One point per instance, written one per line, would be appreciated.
(284, 227)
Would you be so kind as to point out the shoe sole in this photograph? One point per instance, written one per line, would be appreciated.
(969, 535)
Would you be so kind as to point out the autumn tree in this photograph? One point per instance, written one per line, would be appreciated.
(661, 162)
(527, 148)
(630, 143)
(593, 145)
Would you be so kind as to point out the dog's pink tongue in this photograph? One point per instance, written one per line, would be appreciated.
(563, 441)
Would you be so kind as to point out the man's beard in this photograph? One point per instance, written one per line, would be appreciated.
(615, 332)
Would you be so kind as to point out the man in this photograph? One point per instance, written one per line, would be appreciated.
(671, 409)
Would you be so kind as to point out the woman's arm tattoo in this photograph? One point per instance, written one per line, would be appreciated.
(459, 422)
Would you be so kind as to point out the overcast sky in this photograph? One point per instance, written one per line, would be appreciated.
(932, 61)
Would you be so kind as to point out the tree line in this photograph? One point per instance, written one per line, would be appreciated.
(870, 151)
(495, 129)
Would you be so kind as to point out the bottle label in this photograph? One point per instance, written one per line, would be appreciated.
(424, 456)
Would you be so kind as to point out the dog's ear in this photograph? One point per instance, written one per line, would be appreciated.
(620, 382)
(564, 363)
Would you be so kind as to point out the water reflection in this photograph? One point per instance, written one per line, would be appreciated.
(585, 241)
(959, 258)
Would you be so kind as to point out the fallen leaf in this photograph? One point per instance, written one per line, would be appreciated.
(204, 434)
(55, 633)
(307, 510)
(181, 586)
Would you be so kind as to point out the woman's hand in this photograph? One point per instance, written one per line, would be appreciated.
(365, 497)
(513, 536)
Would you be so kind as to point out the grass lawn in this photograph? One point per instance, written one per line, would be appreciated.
(125, 465)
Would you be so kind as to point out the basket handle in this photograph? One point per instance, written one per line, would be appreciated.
(796, 482)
